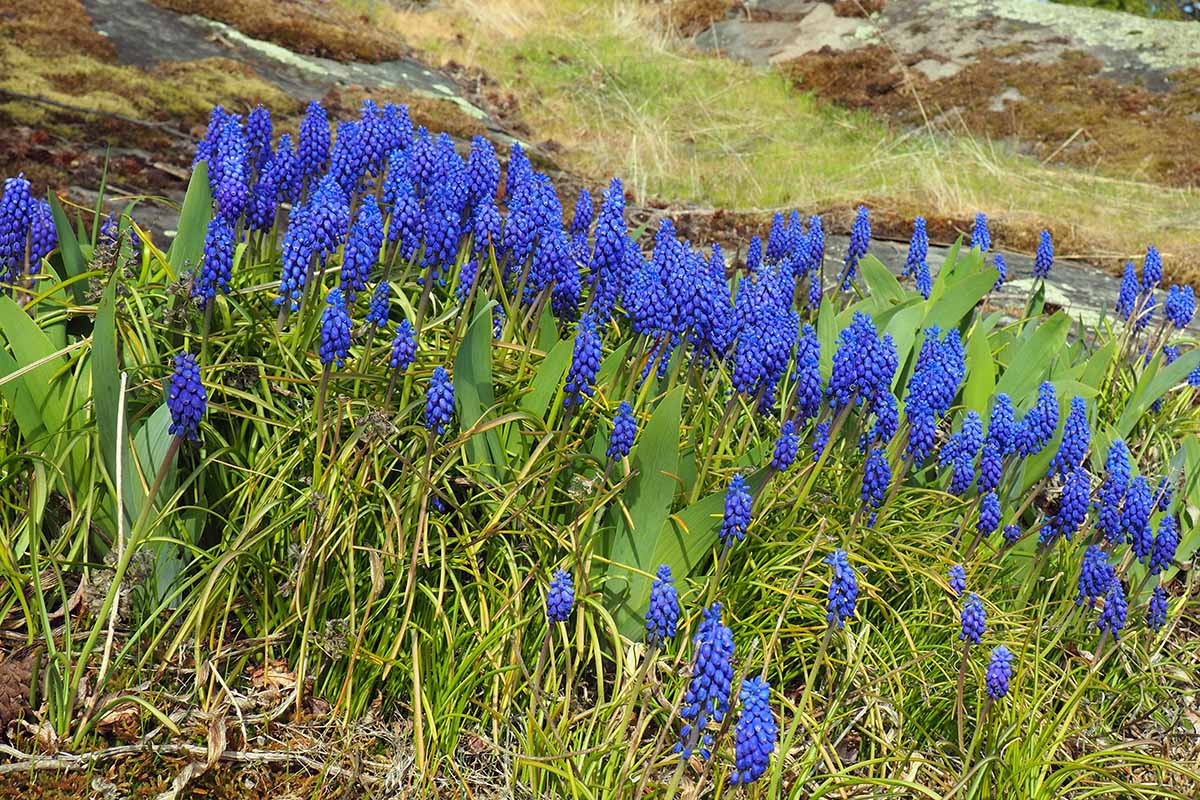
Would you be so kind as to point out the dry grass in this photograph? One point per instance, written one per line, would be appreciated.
(305, 26)
(619, 95)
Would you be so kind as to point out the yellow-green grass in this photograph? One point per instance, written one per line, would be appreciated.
(621, 96)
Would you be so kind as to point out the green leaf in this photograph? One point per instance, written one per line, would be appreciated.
(1032, 358)
(29, 344)
(882, 282)
(1153, 384)
(188, 246)
(648, 498)
(548, 379)
(473, 391)
(905, 327)
(150, 445)
(691, 533)
(827, 333)
(946, 273)
(1097, 366)
(25, 408)
(981, 371)
(547, 330)
(68, 248)
(960, 298)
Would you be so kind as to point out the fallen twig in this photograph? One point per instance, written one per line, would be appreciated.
(24, 762)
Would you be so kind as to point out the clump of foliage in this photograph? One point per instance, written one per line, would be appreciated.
(383, 413)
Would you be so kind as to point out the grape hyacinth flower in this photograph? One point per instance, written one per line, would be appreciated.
(860, 241)
(335, 330)
(960, 453)
(843, 589)
(314, 144)
(989, 514)
(499, 318)
(754, 255)
(998, 443)
(820, 440)
(957, 578)
(362, 247)
(1011, 534)
(1112, 492)
(16, 213)
(662, 617)
(1095, 575)
(228, 171)
(466, 280)
(43, 237)
(737, 511)
(581, 219)
(1128, 294)
(404, 347)
(1180, 306)
(1044, 258)
(877, 476)
(807, 376)
(1038, 426)
(624, 432)
(560, 599)
(999, 673)
(924, 282)
(1152, 269)
(1112, 618)
(380, 305)
(1163, 493)
(981, 237)
(1001, 271)
(1165, 545)
(439, 402)
(1135, 518)
(1156, 613)
(974, 619)
(1072, 506)
(585, 363)
(918, 247)
(785, 447)
(217, 266)
(756, 732)
(186, 398)
(1075, 441)
(707, 697)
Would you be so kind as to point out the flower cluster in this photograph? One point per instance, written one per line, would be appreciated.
(737, 511)
(186, 397)
(623, 433)
(662, 615)
(560, 599)
(843, 589)
(707, 698)
(755, 734)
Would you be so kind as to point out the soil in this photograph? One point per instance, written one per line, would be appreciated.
(302, 26)
(1065, 111)
(1094, 89)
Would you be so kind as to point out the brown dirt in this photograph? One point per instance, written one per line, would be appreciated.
(313, 27)
(59, 148)
(858, 8)
(143, 777)
(690, 17)
(1065, 112)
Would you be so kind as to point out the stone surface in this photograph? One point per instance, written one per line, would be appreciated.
(145, 35)
(1133, 49)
